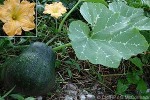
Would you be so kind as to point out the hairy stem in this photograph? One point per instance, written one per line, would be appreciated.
(62, 46)
(109, 75)
(62, 22)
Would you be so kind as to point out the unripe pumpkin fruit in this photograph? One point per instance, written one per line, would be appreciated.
(33, 71)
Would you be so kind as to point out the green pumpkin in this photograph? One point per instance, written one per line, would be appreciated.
(33, 72)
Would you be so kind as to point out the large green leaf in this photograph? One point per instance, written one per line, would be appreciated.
(110, 38)
(135, 15)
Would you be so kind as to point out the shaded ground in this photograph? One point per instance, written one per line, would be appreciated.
(95, 80)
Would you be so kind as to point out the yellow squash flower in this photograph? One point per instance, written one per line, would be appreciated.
(16, 16)
(56, 9)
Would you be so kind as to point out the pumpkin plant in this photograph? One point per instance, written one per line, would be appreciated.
(110, 34)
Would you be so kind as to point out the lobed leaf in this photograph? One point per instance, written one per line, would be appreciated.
(135, 15)
(109, 37)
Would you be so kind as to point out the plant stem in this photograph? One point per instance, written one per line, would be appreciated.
(62, 46)
(56, 23)
(62, 22)
(55, 49)
(113, 75)
(20, 47)
(51, 40)
(8, 93)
